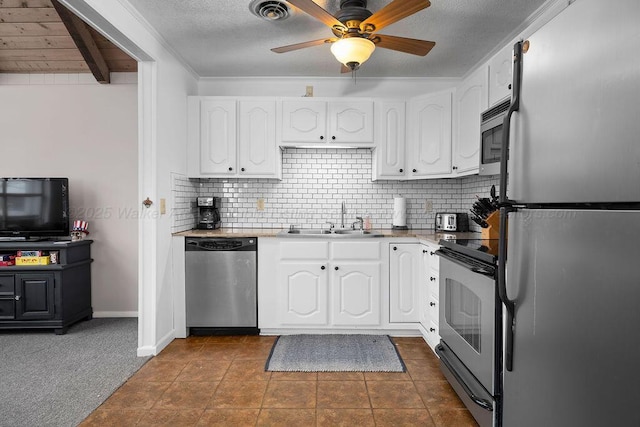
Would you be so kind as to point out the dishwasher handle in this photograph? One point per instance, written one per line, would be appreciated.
(245, 244)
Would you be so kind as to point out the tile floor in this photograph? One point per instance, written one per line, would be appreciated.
(220, 381)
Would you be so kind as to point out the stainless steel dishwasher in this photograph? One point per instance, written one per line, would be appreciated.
(221, 285)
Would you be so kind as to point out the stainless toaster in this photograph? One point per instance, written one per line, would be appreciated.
(452, 221)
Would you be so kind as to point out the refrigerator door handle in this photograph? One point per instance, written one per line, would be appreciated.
(506, 125)
(506, 206)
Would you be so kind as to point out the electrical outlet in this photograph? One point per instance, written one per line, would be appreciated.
(260, 204)
(163, 206)
(428, 206)
(309, 92)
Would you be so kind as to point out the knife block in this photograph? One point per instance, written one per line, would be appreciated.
(493, 231)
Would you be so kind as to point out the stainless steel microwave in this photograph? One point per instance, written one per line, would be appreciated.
(491, 138)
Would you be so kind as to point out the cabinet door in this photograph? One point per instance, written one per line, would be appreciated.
(304, 121)
(34, 296)
(7, 297)
(429, 143)
(471, 101)
(355, 294)
(404, 285)
(303, 294)
(389, 154)
(501, 75)
(351, 122)
(217, 137)
(257, 149)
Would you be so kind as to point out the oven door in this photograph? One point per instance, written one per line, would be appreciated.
(467, 316)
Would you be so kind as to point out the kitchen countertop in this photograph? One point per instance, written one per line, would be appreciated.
(422, 234)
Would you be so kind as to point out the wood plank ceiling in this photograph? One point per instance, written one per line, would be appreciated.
(42, 36)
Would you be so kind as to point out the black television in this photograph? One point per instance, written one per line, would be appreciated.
(34, 208)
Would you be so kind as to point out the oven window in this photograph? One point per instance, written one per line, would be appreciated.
(491, 145)
(462, 312)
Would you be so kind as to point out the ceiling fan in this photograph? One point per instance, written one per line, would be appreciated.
(355, 29)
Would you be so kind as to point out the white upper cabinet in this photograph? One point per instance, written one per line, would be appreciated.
(500, 75)
(217, 137)
(471, 100)
(389, 160)
(429, 135)
(229, 137)
(257, 148)
(318, 121)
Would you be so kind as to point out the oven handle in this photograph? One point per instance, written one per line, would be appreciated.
(444, 253)
(483, 403)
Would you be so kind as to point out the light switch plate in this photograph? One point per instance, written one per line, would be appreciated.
(428, 206)
(163, 206)
(260, 204)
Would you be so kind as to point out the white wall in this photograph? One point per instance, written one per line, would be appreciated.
(71, 126)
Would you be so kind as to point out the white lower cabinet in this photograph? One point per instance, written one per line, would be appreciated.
(429, 294)
(319, 284)
(404, 282)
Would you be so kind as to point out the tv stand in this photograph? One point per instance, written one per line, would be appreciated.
(50, 296)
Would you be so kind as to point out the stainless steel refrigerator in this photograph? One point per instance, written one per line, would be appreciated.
(569, 272)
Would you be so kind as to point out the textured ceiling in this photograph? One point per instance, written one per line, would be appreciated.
(223, 38)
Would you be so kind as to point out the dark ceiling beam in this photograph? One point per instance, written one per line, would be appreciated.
(81, 35)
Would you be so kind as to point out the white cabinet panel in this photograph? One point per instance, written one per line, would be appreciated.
(356, 294)
(351, 122)
(355, 250)
(389, 156)
(303, 294)
(257, 139)
(471, 101)
(304, 121)
(217, 137)
(429, 142)
(404, 282)
(501, 75)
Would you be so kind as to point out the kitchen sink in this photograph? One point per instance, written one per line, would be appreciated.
(334, 234)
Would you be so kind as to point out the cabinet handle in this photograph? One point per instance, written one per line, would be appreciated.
(321, 137)
(415, 170)
(433, 279)
(242, 169)
(17, 297)
(432, 304)
(432, 253)
(336, 268)
(424, 251)
(323, 267)
(432, 330)
(333, 137)
(401, 170)
(230, 169)
(395, 248)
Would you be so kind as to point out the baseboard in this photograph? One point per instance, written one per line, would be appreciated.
(146, 351)
(153, 350)
(115, 314)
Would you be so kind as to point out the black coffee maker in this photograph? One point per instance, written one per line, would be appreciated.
(208, 214)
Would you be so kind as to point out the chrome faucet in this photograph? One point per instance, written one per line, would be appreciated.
(343, 212)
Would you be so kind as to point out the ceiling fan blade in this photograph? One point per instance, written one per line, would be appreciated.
(403, 44)
(311, 8)
(289, 48)
(393, 12)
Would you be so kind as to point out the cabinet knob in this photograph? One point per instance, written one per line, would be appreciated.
(395, 248)
(333, 137)
(336, 268)
(432, 304)
(230, 169)
(431, 330)
(433, 279)
(455, 168)
(424, 251)
(509, 86)
(17, 297)
(415, 170)
(321, 137)
(432, 253)
(401, 170)
(242, 169)
(323, 267)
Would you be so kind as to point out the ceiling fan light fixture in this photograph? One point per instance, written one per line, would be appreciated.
(352, 51)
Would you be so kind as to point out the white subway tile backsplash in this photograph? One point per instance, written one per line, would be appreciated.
(314, 183)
